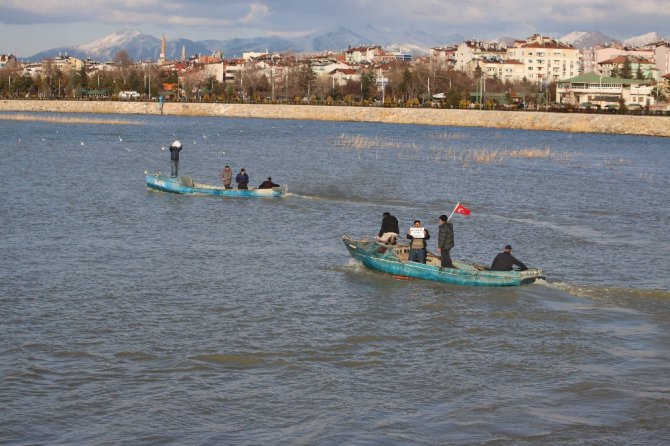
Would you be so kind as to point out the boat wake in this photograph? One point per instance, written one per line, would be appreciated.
(304, 197)
(604, 292)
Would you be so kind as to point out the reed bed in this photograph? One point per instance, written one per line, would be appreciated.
(65, 119)
(464, 156)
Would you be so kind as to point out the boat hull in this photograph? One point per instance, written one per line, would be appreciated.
(185, 185)
(388, 259)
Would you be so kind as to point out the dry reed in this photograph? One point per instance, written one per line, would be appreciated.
(65, 119)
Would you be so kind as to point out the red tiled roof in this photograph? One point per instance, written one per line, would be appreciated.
(622, 59)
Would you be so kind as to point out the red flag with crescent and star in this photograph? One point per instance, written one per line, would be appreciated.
(460, 209)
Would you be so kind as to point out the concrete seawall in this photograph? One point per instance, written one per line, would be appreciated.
(566, 122)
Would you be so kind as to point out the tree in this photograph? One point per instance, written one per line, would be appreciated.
(122, 59)
(626, 70)
(306, 77)
(639, 74)
(368, 81)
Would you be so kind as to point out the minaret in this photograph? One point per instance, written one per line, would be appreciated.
(161, 59)
(183, 53)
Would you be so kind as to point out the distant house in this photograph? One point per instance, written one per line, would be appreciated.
(602, 91)
(648, 67)
(363, 54)
(7, 61)
(505, 70)
(341, 76)
(473, 50)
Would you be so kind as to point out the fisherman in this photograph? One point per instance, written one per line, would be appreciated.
(242, 180)
(417, 247)
(268, 184)
(227, 177)
(388, 234)
(175, 148)
(445, 241)
(505, 261)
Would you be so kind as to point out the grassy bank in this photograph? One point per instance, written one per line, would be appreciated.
(565, 122)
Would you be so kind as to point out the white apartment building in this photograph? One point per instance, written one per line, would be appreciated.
(603, 91)
(505, 70)
(363, 54)
(546, 59)
(662, 58)
(471, 50)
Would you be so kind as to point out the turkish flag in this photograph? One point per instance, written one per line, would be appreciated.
(460, 209)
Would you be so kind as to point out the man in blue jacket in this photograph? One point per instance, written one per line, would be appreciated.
(242, 180)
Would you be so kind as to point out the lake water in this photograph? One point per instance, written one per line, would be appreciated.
(138, 317)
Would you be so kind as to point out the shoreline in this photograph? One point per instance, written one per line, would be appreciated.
(519, 120)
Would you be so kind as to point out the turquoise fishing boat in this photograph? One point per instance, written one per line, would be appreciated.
(394, 260)
(186, 185)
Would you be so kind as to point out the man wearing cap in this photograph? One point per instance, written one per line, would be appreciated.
(175, 148)
(505, 261)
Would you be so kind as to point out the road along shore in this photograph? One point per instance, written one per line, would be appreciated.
(564, 122)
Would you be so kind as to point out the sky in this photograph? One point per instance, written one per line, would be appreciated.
(30, 26)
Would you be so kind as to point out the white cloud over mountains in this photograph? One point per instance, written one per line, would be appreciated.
(219, 19)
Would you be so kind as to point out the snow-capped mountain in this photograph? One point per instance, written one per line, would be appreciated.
(583, 40)
(141, 46)
(644, 39)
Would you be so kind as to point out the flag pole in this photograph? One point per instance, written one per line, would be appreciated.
(452, 212)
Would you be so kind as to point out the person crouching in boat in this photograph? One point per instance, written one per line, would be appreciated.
(505, 261)
(268, 184)
(388, 234)
(242, 180)
(417, 247)
(175, 148)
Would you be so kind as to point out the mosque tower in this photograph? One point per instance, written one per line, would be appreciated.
(183, 53)
(161, 59)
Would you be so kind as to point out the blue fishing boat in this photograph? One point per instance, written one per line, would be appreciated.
(186, 185)
(394, 260)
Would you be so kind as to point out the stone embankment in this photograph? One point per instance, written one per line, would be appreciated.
(565, 122)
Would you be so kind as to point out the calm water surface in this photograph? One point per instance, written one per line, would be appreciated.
(136, 317)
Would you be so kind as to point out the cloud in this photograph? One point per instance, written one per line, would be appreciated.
(222, 19)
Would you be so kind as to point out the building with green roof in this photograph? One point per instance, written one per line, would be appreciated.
(602, 91)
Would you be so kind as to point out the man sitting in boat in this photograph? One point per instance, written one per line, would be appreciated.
(389, 231)
(268, 184)
(505, 261)
(417, 247)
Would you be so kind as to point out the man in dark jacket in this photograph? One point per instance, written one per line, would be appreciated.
(175, 148)
(242, 180)
(417, 246)
(268, 184)
(389, 230)
(505, 261)
(445, 241)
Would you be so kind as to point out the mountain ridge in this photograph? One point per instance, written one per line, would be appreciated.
(140, 46)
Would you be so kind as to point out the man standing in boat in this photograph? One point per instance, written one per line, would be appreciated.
(389, 231)
(505, 261)
(417, 247)
(175, 148)
(227, 177)
(242, 180)
(445, 241)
